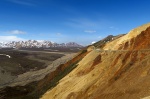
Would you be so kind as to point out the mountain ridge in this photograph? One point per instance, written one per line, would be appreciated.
(127, 39)
(36, 44)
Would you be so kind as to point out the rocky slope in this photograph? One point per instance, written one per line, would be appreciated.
(118, 69)
(137, 38)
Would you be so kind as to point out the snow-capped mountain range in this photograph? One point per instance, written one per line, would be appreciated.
(36, 44)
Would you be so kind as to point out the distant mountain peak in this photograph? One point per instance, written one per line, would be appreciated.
(37, 44)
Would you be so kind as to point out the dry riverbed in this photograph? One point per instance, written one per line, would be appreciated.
(42, 63)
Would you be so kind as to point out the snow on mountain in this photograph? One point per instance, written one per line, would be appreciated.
(36, 44)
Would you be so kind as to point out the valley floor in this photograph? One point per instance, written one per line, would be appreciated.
(50, 60)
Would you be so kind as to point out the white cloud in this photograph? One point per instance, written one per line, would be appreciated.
(16, 32)
(90, 31)
(10, 38)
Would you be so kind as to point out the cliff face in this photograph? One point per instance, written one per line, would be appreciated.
(121, 72)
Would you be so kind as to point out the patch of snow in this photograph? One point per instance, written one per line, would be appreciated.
(6, 55)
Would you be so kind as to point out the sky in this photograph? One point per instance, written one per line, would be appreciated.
(62, 21)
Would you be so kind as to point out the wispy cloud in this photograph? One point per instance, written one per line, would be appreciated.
(16, 32)
(58, 34)
(23, 2)
(99, 36)
(90, 31)
(112, 27)
(10, 38)
(81, 23)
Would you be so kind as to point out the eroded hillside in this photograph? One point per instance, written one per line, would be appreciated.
(119, 70)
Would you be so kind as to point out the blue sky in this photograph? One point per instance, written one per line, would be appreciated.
(81, 21)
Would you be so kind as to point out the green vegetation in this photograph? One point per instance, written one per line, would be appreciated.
(83, 51)
(18, 63)
(35, 89)
(21, 62)
(31, 91)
